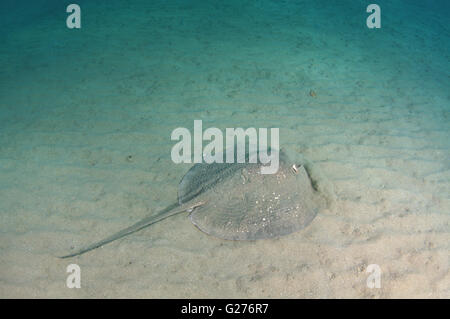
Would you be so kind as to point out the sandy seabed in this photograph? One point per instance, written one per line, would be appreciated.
(85, 150)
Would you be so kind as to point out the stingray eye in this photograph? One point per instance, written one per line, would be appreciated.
(294, 169)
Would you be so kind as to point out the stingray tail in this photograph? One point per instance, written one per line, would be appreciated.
(147, 221)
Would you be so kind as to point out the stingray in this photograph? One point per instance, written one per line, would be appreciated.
(234, 201)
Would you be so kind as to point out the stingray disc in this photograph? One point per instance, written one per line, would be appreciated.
(243, 204)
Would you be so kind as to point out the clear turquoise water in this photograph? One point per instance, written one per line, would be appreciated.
(189, 53)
